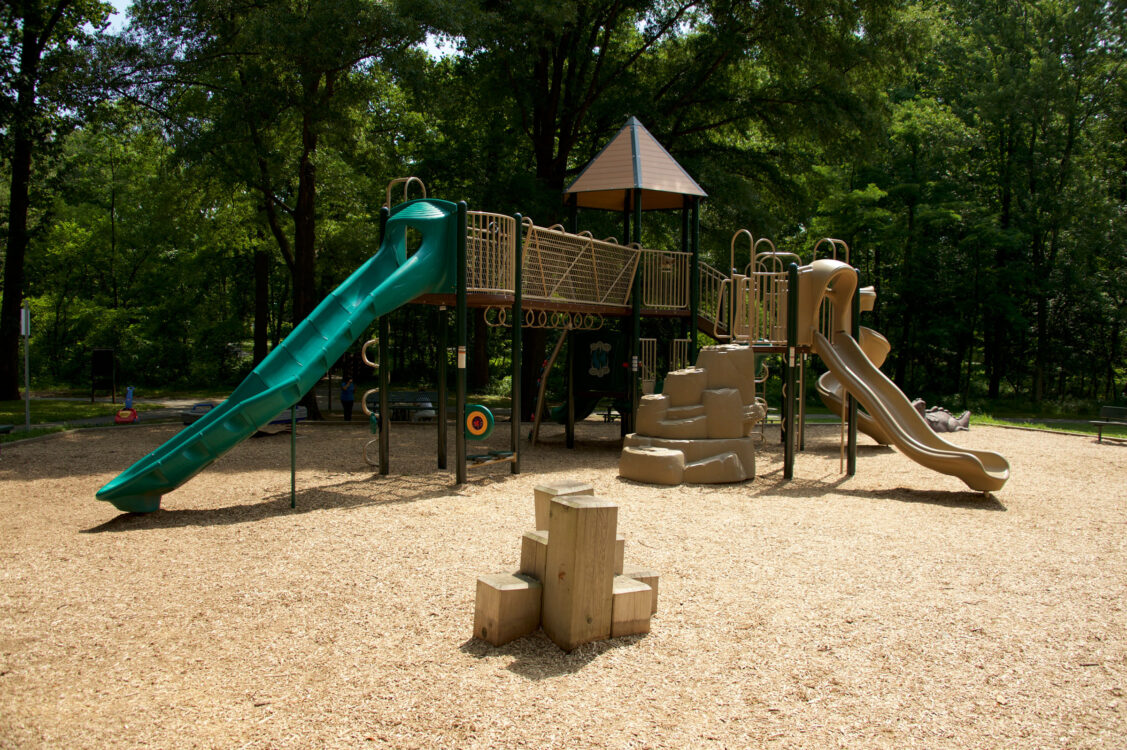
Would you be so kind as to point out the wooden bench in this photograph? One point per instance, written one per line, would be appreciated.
(6, 428)
(1110, 415)
(407, 406)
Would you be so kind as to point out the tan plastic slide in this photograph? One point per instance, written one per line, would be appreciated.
(983, 471)
(876, 348)
(836, 282)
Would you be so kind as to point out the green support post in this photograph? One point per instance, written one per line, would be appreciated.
(384, 333)
(385, 397)
(789, 384)
(685, 248)
(636, 319)
(462, 338)
(694, 278)
(569, 421)
(293, 456)
(443, 320)
(518, 317)
(854, 331)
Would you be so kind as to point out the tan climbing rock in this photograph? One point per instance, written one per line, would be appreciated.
(651, 464)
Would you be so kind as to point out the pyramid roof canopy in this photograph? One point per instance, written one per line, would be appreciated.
(633, 160)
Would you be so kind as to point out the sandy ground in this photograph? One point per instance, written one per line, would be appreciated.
(894, 609)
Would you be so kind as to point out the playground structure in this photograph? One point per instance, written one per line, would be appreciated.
(547, 277)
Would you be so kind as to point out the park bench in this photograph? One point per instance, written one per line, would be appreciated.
(1110, 415)
(6, 428)
(406, 406)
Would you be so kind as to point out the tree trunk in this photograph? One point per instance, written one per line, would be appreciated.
(18, 204)
(261, 303)
(304, 246)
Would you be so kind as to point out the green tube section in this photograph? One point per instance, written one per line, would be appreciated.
(387, 281)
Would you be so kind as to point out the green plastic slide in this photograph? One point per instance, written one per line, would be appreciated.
(388, 280)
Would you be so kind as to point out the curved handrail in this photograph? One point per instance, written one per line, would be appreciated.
(719, 306)
(732, 248)
(364, 401)
(406, 182)
(834, 243)
(364, 353)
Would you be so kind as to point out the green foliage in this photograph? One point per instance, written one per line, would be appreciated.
(970, 153)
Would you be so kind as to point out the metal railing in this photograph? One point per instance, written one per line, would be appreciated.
(565, 267)
(647, 358)
(714, 298)
(679, 354)
(665, 279)
(490, 252)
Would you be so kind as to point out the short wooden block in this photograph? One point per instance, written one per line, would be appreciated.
(534, 554)
(545, 492)
(507, 607)
(579, 575)
(646, 576)
(631, 607)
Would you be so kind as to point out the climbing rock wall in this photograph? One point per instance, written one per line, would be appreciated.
(699, 428)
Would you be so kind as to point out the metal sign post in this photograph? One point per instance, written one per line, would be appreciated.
(25, 331)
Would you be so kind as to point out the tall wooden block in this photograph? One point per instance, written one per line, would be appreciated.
(534, 554)
(579, 573)
(631, 607)
(507, 607)
(646, 576)
(544, 494)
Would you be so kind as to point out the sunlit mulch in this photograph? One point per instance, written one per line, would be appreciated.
(893, 609)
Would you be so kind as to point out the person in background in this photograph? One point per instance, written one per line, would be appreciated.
(347, 397)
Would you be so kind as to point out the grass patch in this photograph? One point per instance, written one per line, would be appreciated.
(13, 437)
(1065, 425)
(12, 412)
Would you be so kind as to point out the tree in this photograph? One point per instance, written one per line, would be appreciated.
(43, 43)
(259, 87)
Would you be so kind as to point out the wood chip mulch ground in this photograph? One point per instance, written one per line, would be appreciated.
(893, 609)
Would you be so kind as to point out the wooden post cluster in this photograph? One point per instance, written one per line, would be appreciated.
(572, 581)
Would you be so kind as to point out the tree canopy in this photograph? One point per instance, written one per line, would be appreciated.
(200, 180)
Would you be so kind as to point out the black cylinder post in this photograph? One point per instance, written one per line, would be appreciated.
(460, 323)
(636, 319)
(789, 385)
(694, 278)
(440, 408)
(385, 380)
(854, 331)
(518, 319)
(384, 333)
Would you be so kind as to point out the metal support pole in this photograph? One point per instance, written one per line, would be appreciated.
(685, 247)
(385, 370)
(569, 416)
(25, 325)
(789, 385)
(385, 397)
(293, 456)
(518, 318)
(636, 321)
(462, 337)
(443, 354)
(855, 331)
(694, 279)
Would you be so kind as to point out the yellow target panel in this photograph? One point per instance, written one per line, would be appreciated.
(479, 422)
